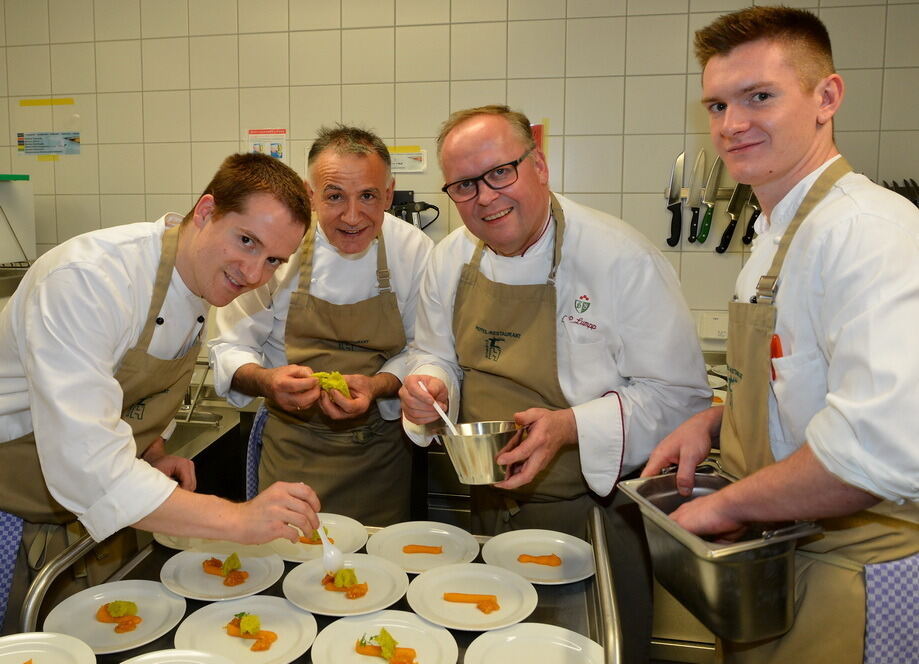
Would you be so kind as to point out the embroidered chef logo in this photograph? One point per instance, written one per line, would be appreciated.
(582, 304)
(492, 349)
(492, 340)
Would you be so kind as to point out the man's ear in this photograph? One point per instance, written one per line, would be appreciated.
(541, 165)
(204, 208)
(831, 91)
(390, 192)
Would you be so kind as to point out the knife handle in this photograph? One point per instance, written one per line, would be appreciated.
(706, 225)
(676, 223)
(693, 225)
(726, 237)
(748, 236)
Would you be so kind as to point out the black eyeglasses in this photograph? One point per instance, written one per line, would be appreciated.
(498, 177)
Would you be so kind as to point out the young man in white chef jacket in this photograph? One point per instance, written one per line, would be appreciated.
(564, 319)
(821, 415)
(346, 302)
(97, 346)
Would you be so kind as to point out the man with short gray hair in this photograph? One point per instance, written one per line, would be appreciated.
(345, 303)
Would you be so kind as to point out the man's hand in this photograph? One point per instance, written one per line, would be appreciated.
(688, 445)
(547, 432)
(271, 513)
(179, 468)
(292, 387)
(416, 403)
(364, 391)
(710, 515)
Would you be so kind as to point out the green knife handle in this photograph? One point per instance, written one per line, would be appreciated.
(706, 225)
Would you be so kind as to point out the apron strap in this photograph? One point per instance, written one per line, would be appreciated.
(382, 266)
(768, 283)
(161, 285)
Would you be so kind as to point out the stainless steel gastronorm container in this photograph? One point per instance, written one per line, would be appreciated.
(742, 591)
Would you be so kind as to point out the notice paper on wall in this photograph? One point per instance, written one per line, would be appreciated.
(408, 159)
(48, 142)
(272, 142)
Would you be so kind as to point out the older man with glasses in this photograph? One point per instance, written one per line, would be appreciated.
(564, 319)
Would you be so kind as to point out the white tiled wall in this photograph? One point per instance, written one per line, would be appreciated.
(164, 89)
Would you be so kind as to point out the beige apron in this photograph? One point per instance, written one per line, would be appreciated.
(506, 345)
(829, 577)
(152, 393)
(359, 467)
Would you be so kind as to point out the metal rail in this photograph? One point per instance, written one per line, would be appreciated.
(610, 628)
(28, 618)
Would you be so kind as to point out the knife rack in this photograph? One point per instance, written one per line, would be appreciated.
(724, 193)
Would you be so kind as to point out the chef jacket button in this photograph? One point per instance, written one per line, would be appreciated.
(200, 319)
(159, 320)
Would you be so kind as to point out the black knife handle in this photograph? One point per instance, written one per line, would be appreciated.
(726, 237)
(693, 224)
(748, 236)
(676, 223)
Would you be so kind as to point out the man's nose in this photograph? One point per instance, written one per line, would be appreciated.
(734, 120)
(486, 195)
(352, 212)
(253, 269)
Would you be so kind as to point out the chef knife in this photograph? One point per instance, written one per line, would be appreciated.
(674, 203)
(735, 206)
(695, 194)
(708, 200)
(753, 203)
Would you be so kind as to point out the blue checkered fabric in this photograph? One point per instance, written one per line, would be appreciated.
(254, 452)
(892, 630)
(10, 537)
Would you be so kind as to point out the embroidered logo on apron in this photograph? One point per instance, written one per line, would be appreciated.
(493, 340)
(582, 304)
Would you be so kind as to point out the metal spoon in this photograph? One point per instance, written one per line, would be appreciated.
(440, 411)
(332, 557)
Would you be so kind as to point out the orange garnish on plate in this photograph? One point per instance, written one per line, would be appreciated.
(551, 560)
(122, 623)
(353, 591)
(421, 548)
(484, 603)
(263, 638)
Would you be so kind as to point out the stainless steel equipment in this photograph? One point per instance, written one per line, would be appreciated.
(474, 450)
(742, 591)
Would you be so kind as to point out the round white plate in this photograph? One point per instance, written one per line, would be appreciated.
(335, 644)
(204, 630)
(349, 536)
(45, 648)
(183, 575)
(720, 370)
(717, 395)
(179, 657)
(160, 609)
(218, 547)
(386, 584)
(534, 642)
(516, 596)
(458, 545)
(576, 554)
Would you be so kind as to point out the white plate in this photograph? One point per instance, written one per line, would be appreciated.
(458, 545)
(45, 648)
(719, 394)
(386, 584)
(204, 630)
(719, 370)
(183, 575)
(516, 596)
(179, 657)
(349, 536)
(534, 642)
(218, 547)
(160, 609)
(717, 382)
(576, 554)
(335, 644)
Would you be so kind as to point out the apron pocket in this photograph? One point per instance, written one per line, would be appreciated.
(800, 388)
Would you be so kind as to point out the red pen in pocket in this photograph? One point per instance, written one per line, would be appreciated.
(775, 350)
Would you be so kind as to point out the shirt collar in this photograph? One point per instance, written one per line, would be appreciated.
(785, 210)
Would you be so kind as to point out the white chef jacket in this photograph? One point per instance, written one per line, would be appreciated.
(630, 363)
(251, 328)
(78, 310)
(847, 314)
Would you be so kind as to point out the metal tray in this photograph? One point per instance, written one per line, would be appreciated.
(742, 591)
